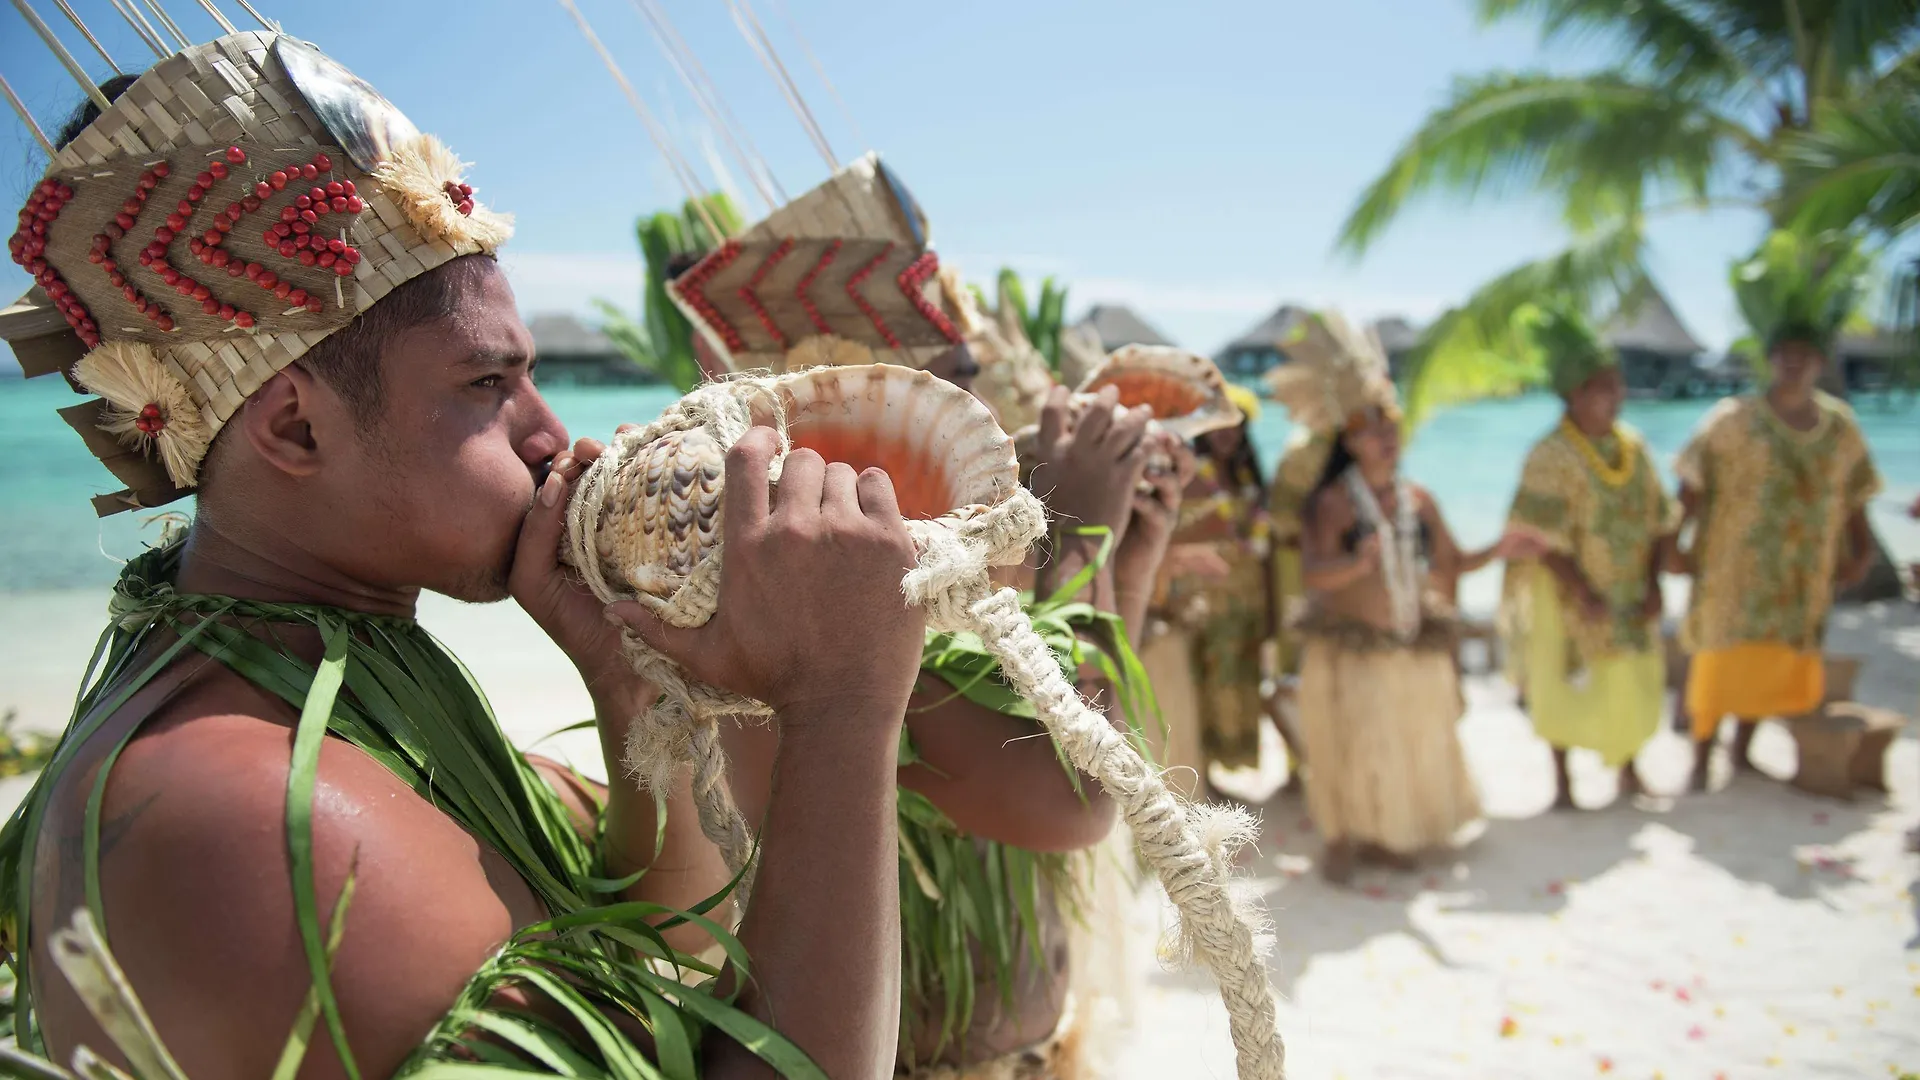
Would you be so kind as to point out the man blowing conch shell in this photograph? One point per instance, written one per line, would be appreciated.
(291, 808)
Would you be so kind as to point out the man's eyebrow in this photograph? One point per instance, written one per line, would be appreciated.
(493, 360)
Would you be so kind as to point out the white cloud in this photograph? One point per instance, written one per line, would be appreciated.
(556, 281)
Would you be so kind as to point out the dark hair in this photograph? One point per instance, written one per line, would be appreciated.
(1798, 331)
(1240, 467)
(1339, 460)
(88, 112)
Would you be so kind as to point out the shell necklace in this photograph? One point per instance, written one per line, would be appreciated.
(1401, 564)
(1611, 475)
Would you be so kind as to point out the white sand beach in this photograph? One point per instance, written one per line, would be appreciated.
(1754, 932)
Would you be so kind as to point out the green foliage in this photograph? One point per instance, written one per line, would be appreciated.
(1479, 349)
(1042, 322)
(1861, 164)
(1807, 286)
(385, 686)
(663, 342)
(967, 902)
(1704, 104)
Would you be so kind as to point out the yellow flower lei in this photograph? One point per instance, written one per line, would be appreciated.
(1611, 475)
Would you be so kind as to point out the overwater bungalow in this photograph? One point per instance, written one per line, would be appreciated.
(1117, 325)
(1258, 349)
(1657, 352)
(573, 353)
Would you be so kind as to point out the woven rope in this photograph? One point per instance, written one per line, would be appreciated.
(1190, 848)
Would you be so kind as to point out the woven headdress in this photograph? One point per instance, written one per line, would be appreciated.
(1333, 372)
(1014, 378)
(1567, 346)
(844, 274)
(239, 202)
(1801, 288)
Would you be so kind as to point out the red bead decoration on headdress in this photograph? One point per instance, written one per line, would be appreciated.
(692, 287)
(292, 237)
(460, 195)
(806, 283)
(910, 281)
(149, 420)
(752, 299)
(28, 246)
(853, 290)
(206, 248)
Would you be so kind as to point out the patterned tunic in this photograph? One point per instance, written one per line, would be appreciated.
(1226, 619)
(1602, 503)
(1774, 506)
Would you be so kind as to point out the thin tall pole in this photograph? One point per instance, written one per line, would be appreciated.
(66, 58)
(74, 18)
(695, 192)
(21, 108)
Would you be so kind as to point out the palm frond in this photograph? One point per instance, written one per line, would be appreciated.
(1480, 349)
(1862, 165)
(1674, 43)
(1597, 143)
(662, 343)
(1042, 322)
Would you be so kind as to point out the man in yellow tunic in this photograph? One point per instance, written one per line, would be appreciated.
(1584, 617)
(1778, 485)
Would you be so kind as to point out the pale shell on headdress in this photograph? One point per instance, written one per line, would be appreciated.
(415, 176)
(826, 350)
(128, 375)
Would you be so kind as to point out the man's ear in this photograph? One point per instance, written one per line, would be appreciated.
(279, 421)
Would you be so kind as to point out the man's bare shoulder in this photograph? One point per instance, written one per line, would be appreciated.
(197, 884)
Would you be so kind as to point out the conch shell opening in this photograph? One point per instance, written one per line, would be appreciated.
(938, 444)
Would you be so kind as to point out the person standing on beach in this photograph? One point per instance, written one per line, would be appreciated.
(1584, 617)
(989, 818)
(1380, 694)
(1776, 487)
(1216, 604)
(295, 812)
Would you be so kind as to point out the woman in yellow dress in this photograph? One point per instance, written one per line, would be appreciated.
(1583, 619)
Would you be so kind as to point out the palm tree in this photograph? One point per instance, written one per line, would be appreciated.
(1703, 104)
(1860, 167)
(663, 343)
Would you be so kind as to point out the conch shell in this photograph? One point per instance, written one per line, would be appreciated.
(646, 524)
(1186, 392)
(944, 454)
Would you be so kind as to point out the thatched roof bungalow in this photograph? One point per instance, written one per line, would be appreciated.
(1117, 325)
(574, 354)
(1258, 349)
(1657, 352)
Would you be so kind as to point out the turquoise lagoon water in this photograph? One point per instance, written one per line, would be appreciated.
(1470, 458)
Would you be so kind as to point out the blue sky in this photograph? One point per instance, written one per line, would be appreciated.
(1192, 160)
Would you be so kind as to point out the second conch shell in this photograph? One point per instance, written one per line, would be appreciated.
(1186, 392)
